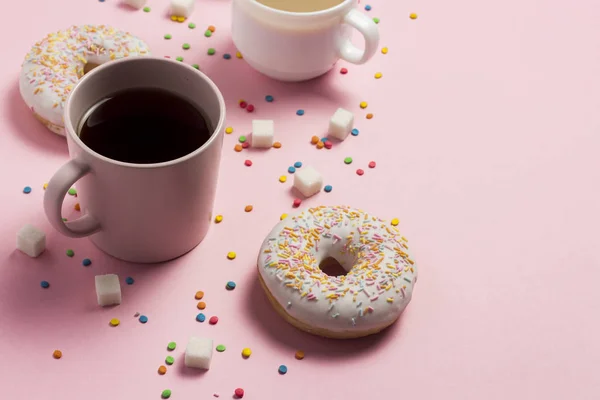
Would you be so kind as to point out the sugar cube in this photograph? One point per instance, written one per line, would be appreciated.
(341, 124)
(198, 353)
(182, 8)
(31, 241)
(137, 4)
(308, 181)
(108, 290)
(263, 133)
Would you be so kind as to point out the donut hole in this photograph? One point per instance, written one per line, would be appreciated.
(332, 267)
(88, 67)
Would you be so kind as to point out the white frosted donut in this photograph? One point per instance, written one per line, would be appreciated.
(55, 64)
(370, 297)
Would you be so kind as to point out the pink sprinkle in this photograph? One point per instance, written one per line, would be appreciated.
(372, 164)
(374, 298)
(403, 292)
(213, 320)
(297, 202)
(248, 163)
(328, 145)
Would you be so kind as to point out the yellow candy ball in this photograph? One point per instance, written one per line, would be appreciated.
(378, 75)
(282, 178)
(363, 104)
(114, 322)
(229, 130)
(246, 352)
(413, 16)
(218, 218)
(395, 221)
(231, 255)
(384, 50)
(283, 216)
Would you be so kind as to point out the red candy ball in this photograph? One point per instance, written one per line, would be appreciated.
(245, 145)
(247, 163)
(328, 144)
(343, 71)
(360, 172)
(243, 104)
(372, 164)
(239, 393)
(213, 320)
(250, 108)
(297, 202)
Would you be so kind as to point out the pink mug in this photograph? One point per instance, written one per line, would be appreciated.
(139, 212)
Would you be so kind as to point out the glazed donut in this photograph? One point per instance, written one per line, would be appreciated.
(370, 297)
(55, 64)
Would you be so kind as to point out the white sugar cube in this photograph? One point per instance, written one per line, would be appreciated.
(31, 241)
(341, 124)
(182, 8)
(137, 4)
(198, 353)
(108, 290)
(308, 181)
(263, 133)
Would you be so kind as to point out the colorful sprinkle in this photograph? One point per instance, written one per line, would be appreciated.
(186, 46)
(57, 354)
(166, 394)
(228, 130)
(45, 186)
(297, 203)
(248, 163)
(413, 16)
(171, 346)
(169, 360)
(129, 280)
(45, 284)
(372, 164)
(343, 71)
(213, 320)
(162, 370)
(282, 178)
(248, 208)
(227, 56)
(354, 132)
(201, 305)
(239, 55)
(86, 262)
(27, 190)
(363, 104)
(395, 222)
(231, 255)
(211, 51)
(282, 217)
(246, 352)
(221, 348)
(114, 322)
(200, 317)
(282, 369)
(143, 319)
(218, 219)
(299, 355)
(269, 98)
(348, 160)
(360, 172)
(291, 170)
(328, 188)
(230, 285)
(300, 112)
(168, 36)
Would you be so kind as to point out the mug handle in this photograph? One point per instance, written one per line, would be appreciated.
(368, 29)
(55, 194)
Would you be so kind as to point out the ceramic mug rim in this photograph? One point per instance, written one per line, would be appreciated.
(71, 132)
(319, 13)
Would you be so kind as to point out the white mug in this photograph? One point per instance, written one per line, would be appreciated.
(139, 212)
(296, 46)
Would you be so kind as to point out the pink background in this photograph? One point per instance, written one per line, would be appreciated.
(486, 135)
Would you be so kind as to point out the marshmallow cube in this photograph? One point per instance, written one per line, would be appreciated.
(182, 8)
(108, 290)
(308, 181)
(263, 133)
(341, 124)
(31, 240)
(137, 4)
(198, 353)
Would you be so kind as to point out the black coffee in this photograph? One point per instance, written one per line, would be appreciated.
(144, 126)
